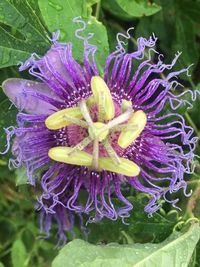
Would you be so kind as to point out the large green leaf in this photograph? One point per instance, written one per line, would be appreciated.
(19, 254)
(175, 251)
(59, 14)
(138, 8)
(21, 32)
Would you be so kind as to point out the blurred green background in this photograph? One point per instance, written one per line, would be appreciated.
(24, 29)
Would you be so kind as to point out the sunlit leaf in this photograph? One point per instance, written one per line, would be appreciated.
(175, 251)
(18, 254)
(59, 15)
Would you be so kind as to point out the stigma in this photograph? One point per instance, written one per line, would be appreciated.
(128, 126)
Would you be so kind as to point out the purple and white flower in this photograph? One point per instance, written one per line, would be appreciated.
(94, 133)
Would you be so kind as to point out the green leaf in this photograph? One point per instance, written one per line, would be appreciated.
(175, 251)
(58, 15)
(7, 231)
(191, 9)
(21, 32)
(139, 227)
(1, 264)
(18, 254)
(21, 176)
(28, 239)
(197, 258)
(112, 7)
(9, 72)
(138, 8)
(185, 41)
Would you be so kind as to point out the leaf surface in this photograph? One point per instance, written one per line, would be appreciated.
(175, 251)
(18, 254)
(22, 32)
(59, 15)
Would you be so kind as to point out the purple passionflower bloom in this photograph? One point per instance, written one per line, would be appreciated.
(94, 133)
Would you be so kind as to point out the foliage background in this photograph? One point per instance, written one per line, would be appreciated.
(25, 26)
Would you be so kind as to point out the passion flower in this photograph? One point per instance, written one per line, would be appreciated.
(93, 134)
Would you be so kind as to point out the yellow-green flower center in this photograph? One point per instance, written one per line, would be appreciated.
(129, 124)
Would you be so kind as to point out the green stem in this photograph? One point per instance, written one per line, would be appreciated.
(129, 240)
(192, 202)
(191, 81)
(98, 7)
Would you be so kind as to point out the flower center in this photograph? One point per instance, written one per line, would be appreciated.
(128, 125)
(96, 132)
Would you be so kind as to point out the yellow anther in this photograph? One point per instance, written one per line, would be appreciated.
(82, 158)
(103, 98)
(125, 167)
(62, 154)
(95, 132)
(59, 119)
(127, 137)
